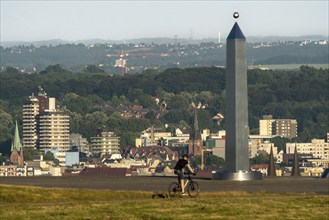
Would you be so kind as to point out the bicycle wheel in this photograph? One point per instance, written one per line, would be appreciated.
(174, 190)
(193, 189)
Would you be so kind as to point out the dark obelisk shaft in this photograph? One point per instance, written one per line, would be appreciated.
(236, 123)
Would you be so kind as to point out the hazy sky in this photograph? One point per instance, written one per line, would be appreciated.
(118, 20)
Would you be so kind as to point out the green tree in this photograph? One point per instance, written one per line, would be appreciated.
(53, 69)
(280, 143)
(260, 159)
(10, 69)
(210, 160)
(127, 139)
(92, 122)
(50, 157)
(28, 153)
(6, 125)
(76, 103)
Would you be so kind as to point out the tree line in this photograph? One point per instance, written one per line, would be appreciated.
(94, 100)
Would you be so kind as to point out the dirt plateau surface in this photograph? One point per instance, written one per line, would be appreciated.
(160, 184)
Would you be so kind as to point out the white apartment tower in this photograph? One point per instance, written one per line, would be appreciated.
(54, 131)
(44, 126)
(30, 112)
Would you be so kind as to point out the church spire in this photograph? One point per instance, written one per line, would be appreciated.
(16, 142)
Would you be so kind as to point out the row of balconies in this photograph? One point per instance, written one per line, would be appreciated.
(30, 133)
(53, 142)
(104, 143)
(54, 125)
(52, 119)
(54, 131)
(29, 141)
(29, 126)
(116, 139)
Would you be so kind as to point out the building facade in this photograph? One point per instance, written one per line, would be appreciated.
(277, 127)
(45, 127)
(318, 148)
(76, 140)
(30, 112)
(53, 131)
(104, 142)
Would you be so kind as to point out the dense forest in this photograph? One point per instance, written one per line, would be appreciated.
(94, 100)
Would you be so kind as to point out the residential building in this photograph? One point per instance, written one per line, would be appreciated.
(30, 112)
(104, 142)
(265, 125)
(153, 136)
(17, 170)
(318, 148)
(259, 146)
(54, 131)
(76, 140)
(8, 170)
(277, 127)
(45, 126)
(286, 128)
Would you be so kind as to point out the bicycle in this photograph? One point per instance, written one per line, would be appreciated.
(192, 187)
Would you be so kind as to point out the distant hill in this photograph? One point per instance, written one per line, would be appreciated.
(75, 56)
(159, 40)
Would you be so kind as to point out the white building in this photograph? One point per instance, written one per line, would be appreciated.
(44, 126)
(318, 148)
(104, 143)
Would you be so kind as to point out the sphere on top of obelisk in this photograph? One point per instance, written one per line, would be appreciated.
(236, 14)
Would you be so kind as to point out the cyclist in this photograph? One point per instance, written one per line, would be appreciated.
(179, 170)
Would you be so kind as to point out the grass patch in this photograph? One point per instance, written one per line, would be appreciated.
(20, 202)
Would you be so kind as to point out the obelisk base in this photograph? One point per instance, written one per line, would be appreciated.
(237, 176)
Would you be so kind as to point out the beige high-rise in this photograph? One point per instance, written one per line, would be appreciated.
(30, 112)
(44, 126)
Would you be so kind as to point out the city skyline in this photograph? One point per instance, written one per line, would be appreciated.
(120, 20)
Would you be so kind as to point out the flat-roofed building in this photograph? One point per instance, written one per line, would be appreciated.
(45, 127)
(318, 148)
(104, 142)
(277, 127)
(54, 131)
(30, 112)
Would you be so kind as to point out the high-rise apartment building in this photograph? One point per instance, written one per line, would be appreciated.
(286, 128)
(54, 131)
(277, 127)
(44, 126)
(266, 125)
(30, 112)
(104, 142)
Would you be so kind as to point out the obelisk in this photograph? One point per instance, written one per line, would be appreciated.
(236, 113)
(236, 123)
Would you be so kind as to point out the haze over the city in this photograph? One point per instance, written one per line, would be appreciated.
(119, 20)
